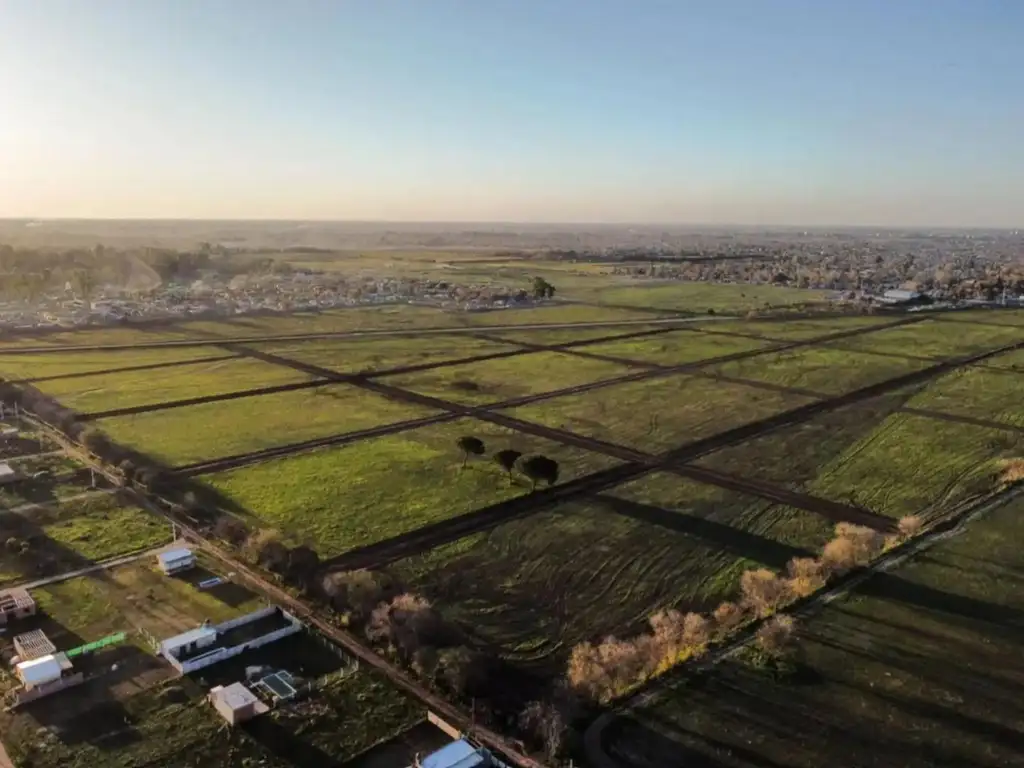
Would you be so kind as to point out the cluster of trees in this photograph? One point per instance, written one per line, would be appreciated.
(542, 289)
(610, 668)
(536, 468)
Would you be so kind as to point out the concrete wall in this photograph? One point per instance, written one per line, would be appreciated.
(220, 654)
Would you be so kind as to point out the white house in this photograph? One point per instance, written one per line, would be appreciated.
(176, 560)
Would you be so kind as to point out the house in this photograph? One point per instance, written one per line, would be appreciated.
(459, 754)
(16, 603)
(33, 645)
(188, 642)
(176, 560)
(45, 675)
(236, 703)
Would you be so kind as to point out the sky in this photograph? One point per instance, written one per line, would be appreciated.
(763, 112)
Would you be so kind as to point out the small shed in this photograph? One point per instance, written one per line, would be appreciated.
(8, 474)
(16, 603)
(176, 560)
(33, 645)
(236, 703)
(36, 672)
(458, 754)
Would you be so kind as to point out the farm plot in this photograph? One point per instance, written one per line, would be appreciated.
(559, 313)
(659, 414)
(96, 337)
(134, 388)
(794, 330)
(46, 540)
(370, 354)
(921, 668)
(490, 381)
(993, 316)
(700, 296)
(916, 465)
(819, 369)
(978, 393)
(566, 335)
(336, 500)
(934, 338)
(31, 366)
(535, 587)
(195, 433)
(675, 347)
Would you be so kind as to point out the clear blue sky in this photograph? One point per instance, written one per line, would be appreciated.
(722, 111)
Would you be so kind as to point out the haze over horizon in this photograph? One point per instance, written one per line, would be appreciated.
(734, 112)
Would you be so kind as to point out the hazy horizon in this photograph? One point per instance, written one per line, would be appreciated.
(647, 113)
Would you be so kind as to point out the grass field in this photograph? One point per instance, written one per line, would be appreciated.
(993, 316)
(353, 356)
(565, 335)
(935, 338)
(97, 336)
(675, 347)
(34, 366)
(978, 393)
(659, 414)
(198, 432)
(343, 498)
(794, 330)
(537, 586)
(491, 381)
(921, 668)
(700, 297)
(819, 369)
(200, 379)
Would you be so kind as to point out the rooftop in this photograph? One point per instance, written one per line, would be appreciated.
(236, 696)
(12, 599)
(199, 633)
(173, 555)
(458, 754)
(33, 645)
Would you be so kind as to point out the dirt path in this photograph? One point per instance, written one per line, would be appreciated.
(103, 565)
(953, 525)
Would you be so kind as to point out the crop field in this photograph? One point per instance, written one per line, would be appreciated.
(339, 499)
(978, 393)
(793, 330)
(565, 335)
(70, 363)
(96, 336)
(819, 369)
(560, 313)
(700, 297)
(661, 413)
(675, 347)
(197, 432)
(491, 381)
(934, 338)
(127, 389)
(362, 355)
(921, 667)
(537, 586)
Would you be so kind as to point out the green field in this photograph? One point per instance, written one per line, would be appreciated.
(921, 668)
(111, 335)
(819, 369)
(492, 381)
(676, 347)
(66, 363)
(935, 338)
(700, 296)
(336, 500)
(978, 393)
(537, 586)
(992, 316)
(194, 433)
(368, 354)
(659, 414)
(559, 313)
(794, 330)
(567, 335)
(200, 379)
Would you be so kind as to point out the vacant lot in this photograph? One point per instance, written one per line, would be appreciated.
(935, 338)
(537, 586)
(361, 355)
(491, 381)
(921, 668)
(676, 347)
(700, 297)
(819, 369)
(198, 432)
(132, 388)
(65, 363)
(661, 413)
(339, 499)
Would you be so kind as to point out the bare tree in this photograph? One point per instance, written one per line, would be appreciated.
(763, 591)
(909, 526)
(806, 576)
(776, 634)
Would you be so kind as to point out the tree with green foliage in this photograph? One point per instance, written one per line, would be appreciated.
(542, 289)
(540, 469)
(507, 459)
(470, 445)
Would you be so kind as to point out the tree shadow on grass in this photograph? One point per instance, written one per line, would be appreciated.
(742, 543)
(228, 592)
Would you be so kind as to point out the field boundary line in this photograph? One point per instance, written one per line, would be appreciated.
(126, 369)
(102, 565)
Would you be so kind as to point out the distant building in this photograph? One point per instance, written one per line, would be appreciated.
(236, 703)
(16, 603)
(176, 561)
(900, 296)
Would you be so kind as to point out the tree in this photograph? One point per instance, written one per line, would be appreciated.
(763, 591)
(909, 526)
(83, 281)
(303, 563)
(470, 445)
(273, 556)
(358, 592)
(507, 459)
(542, 289)
(775, 635)
(544, 722)
(230, 529)
(540, 468)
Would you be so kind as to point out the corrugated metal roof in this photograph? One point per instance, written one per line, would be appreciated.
(458, 754)
(174, 554)
(39, 671)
